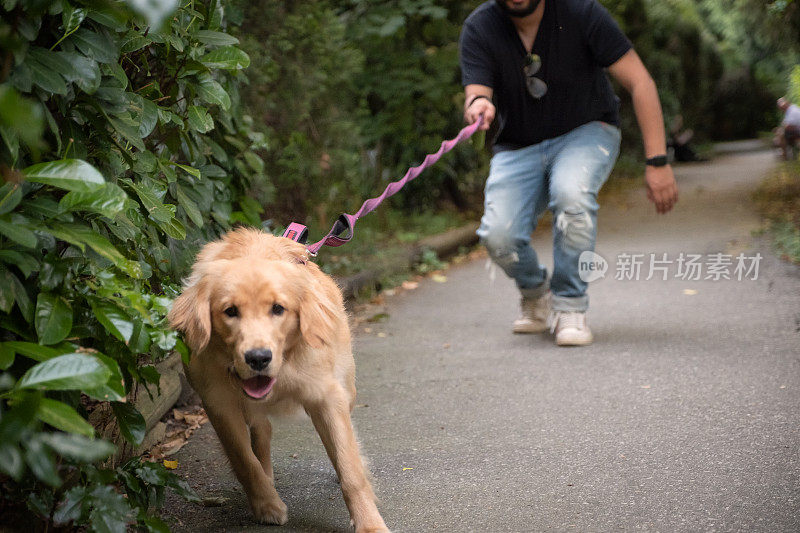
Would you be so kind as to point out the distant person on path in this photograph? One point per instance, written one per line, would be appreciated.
(679, 141)
(789, 130)
(535, 68)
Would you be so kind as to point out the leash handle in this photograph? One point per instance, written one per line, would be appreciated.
(344, 227)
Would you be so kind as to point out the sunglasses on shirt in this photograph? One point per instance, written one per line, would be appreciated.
(536, 87)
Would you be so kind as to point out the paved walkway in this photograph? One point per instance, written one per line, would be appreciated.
(683, 416)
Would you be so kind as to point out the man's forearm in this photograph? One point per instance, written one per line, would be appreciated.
(647, 108)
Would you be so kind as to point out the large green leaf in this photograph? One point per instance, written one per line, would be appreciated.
(62, 416)
(189, 169)
(6, 356)
(34, 351)
(10, 196)
(98, 46)
(17, 290)
(188, 205)
(70, 507)
(45, 77)
(110, 510)
(53, 318)
(11, 460)
(6, 295)
(113, 319)
(85, 71)
(74, 371)
(78, 447)
(210, 91)
(25, 262)
(131, 422)
(114, 389)
(41, 461)
(69, 174)
(128, 128)
(174, 228)
(51, 60)
(10, 227)
(227, 57)
(200, 120)
(133, 41)
(146, 112)
(20, 117)
(215, 38)
(81, 235)
(151, 200)
(107, 201)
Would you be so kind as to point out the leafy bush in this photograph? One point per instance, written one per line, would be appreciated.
(124, 147)
(411, 86)
(303, 96)
(778, 201)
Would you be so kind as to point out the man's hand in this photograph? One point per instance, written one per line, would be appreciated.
(661, 187)
(478, 107)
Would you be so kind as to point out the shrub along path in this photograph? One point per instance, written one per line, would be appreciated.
(682, 416)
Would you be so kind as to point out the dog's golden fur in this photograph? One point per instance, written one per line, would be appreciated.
(282, 303)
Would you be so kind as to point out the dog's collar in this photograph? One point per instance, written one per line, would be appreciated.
(298, 233)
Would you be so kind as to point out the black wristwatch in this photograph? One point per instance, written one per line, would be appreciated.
(657, 161)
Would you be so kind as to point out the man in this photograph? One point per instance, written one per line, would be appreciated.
(789, 131)
(540, 62)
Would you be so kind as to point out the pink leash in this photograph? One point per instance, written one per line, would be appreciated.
(344, 228)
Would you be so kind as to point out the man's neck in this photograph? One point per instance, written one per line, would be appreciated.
(530, 22)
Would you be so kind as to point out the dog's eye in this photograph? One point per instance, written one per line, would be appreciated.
(232, 311)
(277, 309)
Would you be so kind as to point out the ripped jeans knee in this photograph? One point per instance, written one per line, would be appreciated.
(576, 227)
(501, 249)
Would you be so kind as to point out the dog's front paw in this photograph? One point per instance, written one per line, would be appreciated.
(270, 511)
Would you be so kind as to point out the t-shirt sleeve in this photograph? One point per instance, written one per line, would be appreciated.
(604, 36)
(476, 62)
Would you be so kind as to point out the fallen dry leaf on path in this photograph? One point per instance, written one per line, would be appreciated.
(181, 424)
(214, 501)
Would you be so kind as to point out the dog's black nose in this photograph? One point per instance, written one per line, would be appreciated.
(258, 358)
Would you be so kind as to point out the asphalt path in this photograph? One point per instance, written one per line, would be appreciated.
(684, 415)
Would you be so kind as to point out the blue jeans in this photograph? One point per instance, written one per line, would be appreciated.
(563, 174)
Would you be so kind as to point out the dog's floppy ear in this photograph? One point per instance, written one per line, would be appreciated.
(318, 316)
(191, 315)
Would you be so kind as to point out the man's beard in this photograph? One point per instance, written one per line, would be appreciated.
(524, 12)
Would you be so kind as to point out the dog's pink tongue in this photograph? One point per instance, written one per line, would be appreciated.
(258, 387)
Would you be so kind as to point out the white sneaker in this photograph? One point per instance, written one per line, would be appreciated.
(570, 328)
(533, 318)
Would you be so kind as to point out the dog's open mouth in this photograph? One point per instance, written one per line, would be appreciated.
(257, 387)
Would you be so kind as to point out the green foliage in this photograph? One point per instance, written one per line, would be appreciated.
(412, 89)
(303, 96)
(123, 148)
(778, 200)
(794, 85)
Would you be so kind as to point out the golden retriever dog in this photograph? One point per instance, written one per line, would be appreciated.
(268, 334)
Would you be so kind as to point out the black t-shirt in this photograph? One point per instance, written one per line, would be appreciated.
(576, 40)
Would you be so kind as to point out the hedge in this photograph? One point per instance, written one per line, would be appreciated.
(123, 147)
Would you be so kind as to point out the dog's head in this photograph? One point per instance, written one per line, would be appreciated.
(254, 312)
